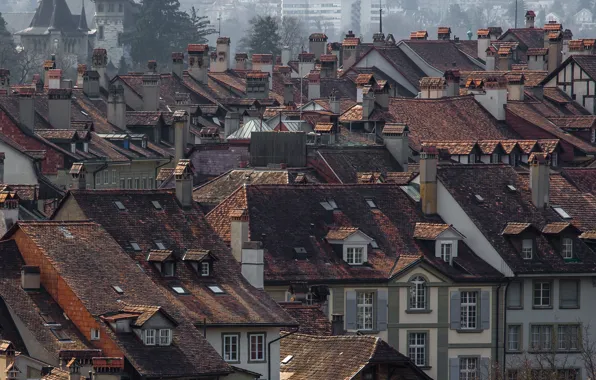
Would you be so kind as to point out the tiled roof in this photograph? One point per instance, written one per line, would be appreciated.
(344, 357)
(56, 374)
(346, 162)
(398, 178)
(83, 253)
(180, 229)
(528, 37)
(574, 122)
(287, 217)
(555, 227)
(311, 318)
(583, 178)
(429, 231)
(340, 233)
(442, 55)
(513, 213)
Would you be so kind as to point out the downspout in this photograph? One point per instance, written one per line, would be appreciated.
(505, 327)
(95, 172)
(497, 324)
(269, 349)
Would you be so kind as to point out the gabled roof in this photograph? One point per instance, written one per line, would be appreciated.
(586, 62)
(346, 162)
(527, 37)
(311, 318)
(431, 231)
(442, 55)
(52, 15)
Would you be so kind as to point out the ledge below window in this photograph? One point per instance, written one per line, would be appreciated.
(368, 332)
(418, 312)
(425, 368)
(466, 331)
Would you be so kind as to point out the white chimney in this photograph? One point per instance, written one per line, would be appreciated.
(396, 141)
(493, 96)
(253, 263)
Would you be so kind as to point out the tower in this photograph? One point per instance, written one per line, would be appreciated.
(112, 19)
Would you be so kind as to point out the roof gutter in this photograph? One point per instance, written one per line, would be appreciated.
(269, 350)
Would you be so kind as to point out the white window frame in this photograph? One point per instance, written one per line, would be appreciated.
(231, 347)
(165, 337)
(417, 348)
(554, 159)
(149, 337)
(539, 286)
(73, 147)
(418, 293)
(365, 304)
(593, 136)
(95, 334)
(565, 340)
(114, 177)
(106, 177)
(469, 310)
(527, 249)
(541, 337)
(205, 270)
(469, 368)
(168, 264)
(258, 356)
(513, 337)
(567, 248)
(446, 251)
(495, 158)
(355, 255)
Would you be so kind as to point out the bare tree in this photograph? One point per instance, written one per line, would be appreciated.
(293, 34)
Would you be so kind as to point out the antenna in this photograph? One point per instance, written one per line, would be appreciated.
(380, 16)
(219, 27)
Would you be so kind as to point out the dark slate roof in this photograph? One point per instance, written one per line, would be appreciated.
(491, 182)
(402, 63)
(527, 37)
(286, 217)
(181, 229)
(90, 262)
(346, 163)
(442, 55)
(583, 178)
(52, 14)
(311, 318)
(341, 357)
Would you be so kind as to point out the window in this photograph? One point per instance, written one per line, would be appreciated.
(106, 177)
(371, 203)
(150, 183)
(179, 290)
(94, 334)
(542, 294)
(513, 335)
(97, 180)
(205, 268)
(514, 295)
(568, 294)
(562, 213)
(85, 147)
(165, 337)
(468, 368)
(230, 348)
(256, 343)
(568, 337)
(100, 34)
(120, 8)
(417, 348)
(469, 310)
(137, 183)
(364, 314)
(100, 7)
(117, 289)
(593, 136)
(135, 246)
(541, 337)
(567, 248)
(554, 159)
(168, 268)
(418, 293)
(120, 206)
(129, 183)
(527, 249)
(446, 249)
(156, 204)
(114, 177)
(496, 158)
(149, 337)
(472, 158)
(215, 289)
(160, 244)
(73, 148)
(110, 7)
(145, 183)
(355, 256)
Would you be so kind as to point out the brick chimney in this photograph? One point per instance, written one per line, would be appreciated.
(396, 141)
(117, 106)
(433, 87)
(222, 62)
(314, 85)
(183, 103)
(317, 44)
(515, 86)
(253, 263)
(241, 61)
(59, 107)
(286, 55)
(151, 87)
(306, 63)
(530, 16)
(4, 81)
(27, 108)
(198, 62)
(178, 64)
(349, 47)
(444, 33)
(79, 174)
(264, 63)
(100, 63)
(483, 43)
(231, 123)
(428, 180)
(30, 277)
(81, 69)
(328, 66)
(257, 85)
(540, 179)
(183, 174)
(555, 47)
(238, 231)
(180, 135)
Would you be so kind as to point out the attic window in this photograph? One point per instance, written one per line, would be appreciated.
(179, 290)
(371, 203)
(562, 213)
(412, 192)
(300, 253)
(135, 246)
(329, 205)
(511, 188)
(287, 359)
(332, 203)
(374, 244)
(65, 232)
(156, 205)
(160, 244)
(215, 289)
(61, 335)
(479, 198)
(118, 289)
(120, 206)
(48, 321)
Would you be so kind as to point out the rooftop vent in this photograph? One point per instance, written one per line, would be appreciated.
(120, 206)
(65, 232)
(118, 289)
(156, 205)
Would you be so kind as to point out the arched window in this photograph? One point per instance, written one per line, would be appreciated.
(418, 297)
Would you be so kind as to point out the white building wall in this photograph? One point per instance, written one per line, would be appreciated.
(18, 168)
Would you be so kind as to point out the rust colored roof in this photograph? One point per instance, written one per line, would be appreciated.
(588, 235)
(318, 36)
(351, 41)
(422, 34)
(324, 127)
(574, 122)
(452, 147)
(552, 27)
(182, 167)
(576, 45)
(311, 318)
(364, 79)
(340, 233)
(515, 228)
(433, 82)
(429, 231)
(257, 75)
(444, 30)
(394, 129)
(555, 227)
(328, 58)
(196, 48)
(483, 33)
(156, 255)
(197, 255)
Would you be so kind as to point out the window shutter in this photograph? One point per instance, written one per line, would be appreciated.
(351, 310)
(455, 311)
(484, 368)
(454, 366)
(568, 291)
(485, 310)
(514, 295)
(382, 309)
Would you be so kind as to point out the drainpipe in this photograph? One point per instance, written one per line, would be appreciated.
(97, 171)
(497, 324)
(269, 349)
(504, 328)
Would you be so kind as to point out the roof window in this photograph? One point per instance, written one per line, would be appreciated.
(135, 246)
(329, 205)
(215, 289)
(156, 205)
(371, 203)
(61, 335)
(412, 192)
(512, 188)
(65, 232)
(300, 253)
(479, 198)
(160, 244)
(562, 213)
(118, 289)
(287, 359)
(179, 290)
(48, 321)
(120, 206)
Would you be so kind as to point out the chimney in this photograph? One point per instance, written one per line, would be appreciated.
(483, 43)
(79, 174)
(100, 64)
(555, 46)
(54, 78)
(444, 33)
(505, 58)
(30, 277)
(288, 93)
(59, 105)
(74, 370)
(238, 231)
(178, 64)
(198, 62)
(452, 77)
(48, 65)
(27, 108)
(231, 123)
(491, 60)
(306, 64)
(419, 35)
(433, 87)
(286, 55)
(2, 158)
(328, 66)
(493, 96)
(337, 324)
(335, 104)
(151, 87)
(549, 28)
(537, 59)
(317, 44)
(494, 32)
(379, 39)
(540, 179)
(368, 103)
(117, 106)
(91, 84)
(428, 180)
(314, 85)
(264, 63)
(81, 69)
(183, 103)
(180, 135)
(4, 81)
(515, 86)
(184, 177)
(257, 85)
(222, 61)
(567, 37)
(349, 50)
(241, 60)
(530, 16)
(381, 92)
(253, 263)
(396, 141)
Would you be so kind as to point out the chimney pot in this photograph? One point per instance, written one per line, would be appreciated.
(337, 324)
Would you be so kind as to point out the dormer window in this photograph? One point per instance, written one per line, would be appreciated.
(85, 147)
(165, 337)
(355, 255)
(201, 260)
(446, 251)
(567, 248)
(168, 268)
(73, 147)
(446, 239)
(205, 269)
(527, 249)
(354, 244)
(149, 337)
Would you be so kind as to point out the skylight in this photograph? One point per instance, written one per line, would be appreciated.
(511, 188)
(371, 203)
(118, 289)
(562, 213)
(216, 120)
(160, 244)
(215, 289)
(135, 246)
(84, 113)
(287, 359)
(412, 192)
(327, 206)
(332, 203)
(61, 335)
(156, 205)
(120, 206)
(374, 244)
(479, 198)
(179, 290)
(65, 232)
